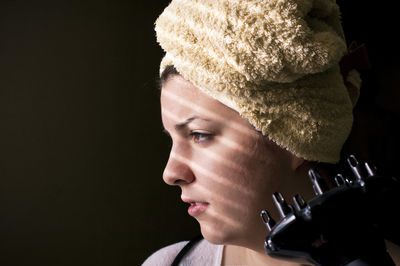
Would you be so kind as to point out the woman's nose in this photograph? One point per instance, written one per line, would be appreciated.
(177, 171)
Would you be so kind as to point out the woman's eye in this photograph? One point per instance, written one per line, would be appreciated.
(199, 136)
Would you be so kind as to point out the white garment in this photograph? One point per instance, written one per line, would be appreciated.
(202, 253)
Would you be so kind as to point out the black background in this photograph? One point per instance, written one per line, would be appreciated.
(81, 143)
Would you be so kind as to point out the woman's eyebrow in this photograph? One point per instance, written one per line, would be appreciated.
(182, 125)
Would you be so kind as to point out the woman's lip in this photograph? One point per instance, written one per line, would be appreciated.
(196, 208)
(191, 201)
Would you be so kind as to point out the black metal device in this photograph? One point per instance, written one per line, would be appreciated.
(343, 225)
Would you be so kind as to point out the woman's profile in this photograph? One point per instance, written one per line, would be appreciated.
(252, 96)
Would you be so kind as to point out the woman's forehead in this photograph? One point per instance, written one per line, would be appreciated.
(181, 96)
(178, 88)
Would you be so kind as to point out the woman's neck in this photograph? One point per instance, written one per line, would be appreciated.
(236, 255)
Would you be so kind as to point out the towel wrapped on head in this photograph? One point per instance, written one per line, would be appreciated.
(276, 62)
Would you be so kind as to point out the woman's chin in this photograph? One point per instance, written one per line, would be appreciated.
(216, 235)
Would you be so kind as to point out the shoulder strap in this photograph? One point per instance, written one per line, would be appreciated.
(185, 249)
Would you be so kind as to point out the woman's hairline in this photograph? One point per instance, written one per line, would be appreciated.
(166, 74)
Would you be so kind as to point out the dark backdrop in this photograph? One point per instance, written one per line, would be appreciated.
(81, 147)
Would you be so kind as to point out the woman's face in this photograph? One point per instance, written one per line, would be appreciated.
(224, 167)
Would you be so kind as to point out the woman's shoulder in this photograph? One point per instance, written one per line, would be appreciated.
(203, 251)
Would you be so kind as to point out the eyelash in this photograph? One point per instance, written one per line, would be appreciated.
(193, 135)
(196, 134)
